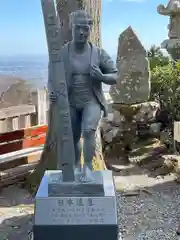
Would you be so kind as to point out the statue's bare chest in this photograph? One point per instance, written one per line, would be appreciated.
(81, 89)
(80, 63)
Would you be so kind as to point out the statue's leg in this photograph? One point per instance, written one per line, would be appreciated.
(90, 119)
(76, 117)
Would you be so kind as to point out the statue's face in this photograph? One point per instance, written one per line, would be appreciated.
(80, 32)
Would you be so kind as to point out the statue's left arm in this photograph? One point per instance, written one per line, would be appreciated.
(108, 68)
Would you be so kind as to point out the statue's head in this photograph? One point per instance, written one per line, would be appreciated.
(80, 23)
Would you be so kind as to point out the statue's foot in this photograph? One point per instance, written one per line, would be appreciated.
(87, 175)
(78, 169)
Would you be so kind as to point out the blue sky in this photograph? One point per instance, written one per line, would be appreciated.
(22, 29)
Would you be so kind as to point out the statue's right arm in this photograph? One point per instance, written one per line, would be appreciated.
(108, 68)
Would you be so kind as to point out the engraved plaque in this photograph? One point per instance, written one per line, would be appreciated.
(75, 211)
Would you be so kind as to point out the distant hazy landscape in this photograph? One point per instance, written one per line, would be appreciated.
(31, 68)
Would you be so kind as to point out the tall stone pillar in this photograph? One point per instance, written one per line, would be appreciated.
(172, 44)
(132, 90)
(93, 7)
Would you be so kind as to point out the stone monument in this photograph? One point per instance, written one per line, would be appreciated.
(133, 84)
(74, 202)
(172, 45)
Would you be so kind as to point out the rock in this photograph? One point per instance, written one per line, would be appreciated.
(118, 118)
(147, 111)
(106, 126)
(108, 136)
(114, 128)
(127, 111)
(110, 117)
(133, 85)
(155, 129)
(15, 91)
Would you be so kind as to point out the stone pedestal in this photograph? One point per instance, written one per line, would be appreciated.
(124, 125)
(129, 125)
(173, 48)
(76, 210)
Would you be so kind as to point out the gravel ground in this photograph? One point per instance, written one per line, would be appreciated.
(148, 217)
(148, 208)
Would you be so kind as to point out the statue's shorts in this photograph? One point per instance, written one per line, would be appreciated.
(86, 118)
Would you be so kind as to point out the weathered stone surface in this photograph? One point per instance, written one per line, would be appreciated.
(15, 91)
(173, 6)
(147, 111)
(133, 84)
(173, 11)
(114, 126)
(172, 45)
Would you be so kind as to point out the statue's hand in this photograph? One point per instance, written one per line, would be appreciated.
(96, 73)
(52, 97)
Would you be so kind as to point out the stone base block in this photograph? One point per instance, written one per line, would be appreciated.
(76, 216)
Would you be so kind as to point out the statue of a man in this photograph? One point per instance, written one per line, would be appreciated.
(86, 67)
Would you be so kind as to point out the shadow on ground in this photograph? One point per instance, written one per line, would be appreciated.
(14, 195)
(16, 213)
(147, 157)
(17, 228)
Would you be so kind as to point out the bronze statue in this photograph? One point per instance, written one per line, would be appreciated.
(86, 67)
